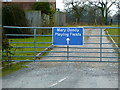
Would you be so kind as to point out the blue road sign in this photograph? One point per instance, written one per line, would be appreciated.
(67, 35)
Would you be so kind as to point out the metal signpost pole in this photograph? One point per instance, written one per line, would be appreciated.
(67, 52)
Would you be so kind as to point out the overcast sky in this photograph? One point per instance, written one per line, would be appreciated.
(60, 5)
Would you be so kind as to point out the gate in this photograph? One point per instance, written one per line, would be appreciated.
(99, 46)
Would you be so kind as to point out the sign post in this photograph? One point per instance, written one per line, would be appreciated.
(67, 36)
(67, 52)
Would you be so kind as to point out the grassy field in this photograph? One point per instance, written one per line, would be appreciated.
(38, 39)
(14, 67)
(114, 32)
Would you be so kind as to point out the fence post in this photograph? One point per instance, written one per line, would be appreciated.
(100, 44)
(34, 44)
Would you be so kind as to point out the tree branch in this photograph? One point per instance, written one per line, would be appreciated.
(110, 5)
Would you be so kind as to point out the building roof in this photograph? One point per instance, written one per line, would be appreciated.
(29, 0)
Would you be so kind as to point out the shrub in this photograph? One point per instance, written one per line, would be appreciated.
(12, 15)
(44, 7)
(6, 48)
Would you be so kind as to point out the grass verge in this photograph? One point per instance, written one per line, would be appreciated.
(16, 52)
(14, 67)
(114, 32)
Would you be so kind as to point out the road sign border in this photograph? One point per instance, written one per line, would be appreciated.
(67, 27)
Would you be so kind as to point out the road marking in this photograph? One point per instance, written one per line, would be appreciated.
(61, 80)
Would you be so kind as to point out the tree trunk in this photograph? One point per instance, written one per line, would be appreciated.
(106, 17)
(103, 18)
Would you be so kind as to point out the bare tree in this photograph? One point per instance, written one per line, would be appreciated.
(117, 15)
(118, 4)
(104, 6)
(77, 6)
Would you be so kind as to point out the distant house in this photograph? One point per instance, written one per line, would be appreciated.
(34, 17)
(26, 4)
(29, 0)
(53, 4)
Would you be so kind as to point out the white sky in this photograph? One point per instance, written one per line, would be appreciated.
(60, 5)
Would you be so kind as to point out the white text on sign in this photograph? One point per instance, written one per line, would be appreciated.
(67, 32)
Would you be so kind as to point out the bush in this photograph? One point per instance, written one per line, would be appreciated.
(12, 15)
(44, 7)
(7, 48)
